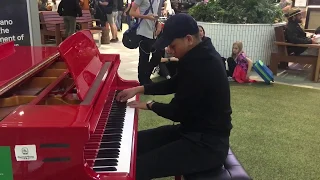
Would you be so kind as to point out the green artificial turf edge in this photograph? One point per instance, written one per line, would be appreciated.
(275, 134)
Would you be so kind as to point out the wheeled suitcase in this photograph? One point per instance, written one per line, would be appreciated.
(264, 72)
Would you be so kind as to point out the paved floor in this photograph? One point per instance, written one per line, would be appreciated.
(297, 75)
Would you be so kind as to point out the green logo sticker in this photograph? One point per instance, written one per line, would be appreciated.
(5, 163)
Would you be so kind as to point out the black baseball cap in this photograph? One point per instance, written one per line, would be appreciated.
(177, 26)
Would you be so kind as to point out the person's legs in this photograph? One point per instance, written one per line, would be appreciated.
(151, 139)
(310, 52)
(231, 66)
(97, 15)
(72, 21)
(128, 18)
(113, 28)
(66, 25)
(179, 157)
(119, 20)
(143, 66)
(155, 59)
(164, 72)
(172, 67)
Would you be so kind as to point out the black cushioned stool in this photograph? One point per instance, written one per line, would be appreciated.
(232, 170)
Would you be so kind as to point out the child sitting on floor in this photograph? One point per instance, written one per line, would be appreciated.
(238, 66)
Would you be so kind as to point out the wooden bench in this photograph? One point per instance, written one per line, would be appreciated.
(282, 54)
(53, 25)
(231, 170)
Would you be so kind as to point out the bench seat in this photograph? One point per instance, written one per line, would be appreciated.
(232, 170)
(52, 24)
(282, 56)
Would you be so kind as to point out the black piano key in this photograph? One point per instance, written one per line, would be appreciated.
(108, 154)
(105, 162)
(116, 118)
(112, 130)
(112, 135)
(101, 169)
(110, 150)
(110, 145)
(115, 123)
(114, 126)
(108, 138)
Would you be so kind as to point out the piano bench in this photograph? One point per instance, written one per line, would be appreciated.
(231, 170)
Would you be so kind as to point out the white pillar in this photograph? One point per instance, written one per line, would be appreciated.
(34, 22)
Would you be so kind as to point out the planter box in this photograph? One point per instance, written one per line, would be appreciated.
(258, 39)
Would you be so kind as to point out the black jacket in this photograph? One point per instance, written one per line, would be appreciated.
(295, 34)
(70, 8)
(202, 93)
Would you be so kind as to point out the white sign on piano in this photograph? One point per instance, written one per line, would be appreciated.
(25, 152)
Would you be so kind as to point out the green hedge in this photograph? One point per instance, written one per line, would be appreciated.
(238, 12)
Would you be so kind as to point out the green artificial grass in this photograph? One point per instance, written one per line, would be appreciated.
(276, 132)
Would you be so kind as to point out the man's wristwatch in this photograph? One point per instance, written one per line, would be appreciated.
(169, 59)
(148, 104)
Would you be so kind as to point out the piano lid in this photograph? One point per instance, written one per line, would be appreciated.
(21, 60)
(6, 49)
(81, 55)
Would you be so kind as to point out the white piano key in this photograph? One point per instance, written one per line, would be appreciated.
(124, 159)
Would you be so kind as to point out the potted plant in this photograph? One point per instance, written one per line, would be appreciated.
(249, 21)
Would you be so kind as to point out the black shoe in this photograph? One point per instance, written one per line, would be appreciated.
(114, 40)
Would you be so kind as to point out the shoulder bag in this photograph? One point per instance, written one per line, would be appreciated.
(130, 38)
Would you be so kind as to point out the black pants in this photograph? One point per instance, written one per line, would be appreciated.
(231, 65)
(168, 68)
(164, 152)
(145, 66)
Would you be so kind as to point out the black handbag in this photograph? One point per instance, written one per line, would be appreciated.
(130, 38)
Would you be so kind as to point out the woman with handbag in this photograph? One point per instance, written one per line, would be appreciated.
(145, 33)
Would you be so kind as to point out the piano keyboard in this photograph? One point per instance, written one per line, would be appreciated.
(114, 153)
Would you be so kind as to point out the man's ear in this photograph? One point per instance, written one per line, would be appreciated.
(190, 39)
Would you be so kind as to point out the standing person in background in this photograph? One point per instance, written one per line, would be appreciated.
(98, 13)
(130, 20)
(168, 8)
(42, 5)
(120, 13)
(110, 10)
(148, 32)
(54, 5)
(70, 9)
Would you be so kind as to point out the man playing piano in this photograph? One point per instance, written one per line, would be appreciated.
(201, 104)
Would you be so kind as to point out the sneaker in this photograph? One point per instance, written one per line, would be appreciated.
(230, 79)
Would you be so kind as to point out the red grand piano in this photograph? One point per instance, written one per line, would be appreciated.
(58, 115)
